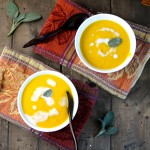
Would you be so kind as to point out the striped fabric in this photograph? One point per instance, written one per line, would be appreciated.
(61, 49)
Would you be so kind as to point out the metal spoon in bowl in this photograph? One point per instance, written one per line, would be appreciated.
(72, 23)
(70, 113)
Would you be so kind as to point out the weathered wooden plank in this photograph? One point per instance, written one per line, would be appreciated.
(20, 139)
(44, 145)
(4, 134)
(132, 11)
(142, 14)
(133, 116)
(97, 6)
(4, 26)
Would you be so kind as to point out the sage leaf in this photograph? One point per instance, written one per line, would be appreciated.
(12, 9)
(47, 93)
(20, 17)
(13, 28)
(102, 131)
(108, 120)
(111, 131)
(31, 17)
(16, 14)
(115, 42)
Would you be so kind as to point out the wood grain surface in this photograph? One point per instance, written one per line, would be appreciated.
(132, 116)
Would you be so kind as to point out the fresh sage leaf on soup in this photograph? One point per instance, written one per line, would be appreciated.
(12, 9)
(114, 42)
(47, 93)
(31, 17)
(111, 131)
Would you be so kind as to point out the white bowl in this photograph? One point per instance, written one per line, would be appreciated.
(19, 100)
(113, 18)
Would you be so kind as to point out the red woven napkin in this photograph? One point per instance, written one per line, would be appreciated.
(16, 68)
(61, 50)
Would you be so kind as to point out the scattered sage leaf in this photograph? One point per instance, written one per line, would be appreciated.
(20, 17)
(16, 14)
(115, 42)
(47, 93)
(13, 28)
(31, 17)
(102, 131)
(12, 9)
(111, 131)
(108, 120)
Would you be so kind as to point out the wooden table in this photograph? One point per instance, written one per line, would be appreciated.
(132, 115)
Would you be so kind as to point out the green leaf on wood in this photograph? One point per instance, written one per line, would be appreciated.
(31, 17)
(20, 18)
(111, 131)
(102, 130)
(115, 42)
(16, 14)
(47, 93)
(109, 119)
(107, 125)
(12, 9)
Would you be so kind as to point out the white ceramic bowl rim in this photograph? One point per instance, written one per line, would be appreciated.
(110, 17)
(19, 100)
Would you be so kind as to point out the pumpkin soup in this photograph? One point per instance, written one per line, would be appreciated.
(105, 44)
(44, 101)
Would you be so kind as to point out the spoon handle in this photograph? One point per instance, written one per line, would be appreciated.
(73, 135)
(42, 38)
(70, 113)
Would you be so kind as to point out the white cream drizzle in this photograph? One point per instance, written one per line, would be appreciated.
(101, 40)
(34, 107)
(49, 100)
(51, 82)
(100, 52)
(115, 56)
(92, 44)
(63, 101)
(41, 116)
(109, 30)
(105, 54)
(39, 93)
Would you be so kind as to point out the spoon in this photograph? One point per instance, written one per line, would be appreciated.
(72, 23)
(70, 113)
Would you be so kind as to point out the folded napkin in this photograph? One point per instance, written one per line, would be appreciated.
(61, 50)
(16, 68)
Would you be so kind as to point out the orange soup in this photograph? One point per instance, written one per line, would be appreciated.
(44, 101)
(95, 44)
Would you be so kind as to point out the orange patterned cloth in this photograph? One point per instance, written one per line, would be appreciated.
(61, 50)
(14, 69)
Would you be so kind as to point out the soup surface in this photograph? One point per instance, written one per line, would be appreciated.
(44, 101)
(95, 48)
